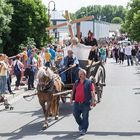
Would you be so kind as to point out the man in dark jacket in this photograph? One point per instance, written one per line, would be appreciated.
(91, 41)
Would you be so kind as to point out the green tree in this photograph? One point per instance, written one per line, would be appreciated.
(29, 20)
(108, 11)
(29, 43)
(89, 10)
(105, 13)
(117, 20)
(132, 20)
(6, 12)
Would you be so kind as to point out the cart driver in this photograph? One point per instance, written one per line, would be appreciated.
(70, 68)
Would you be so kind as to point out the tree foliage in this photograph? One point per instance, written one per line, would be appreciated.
(6, 12)
(105, 13)
(117, 20)
(29, 43)
(29, 20)
(132, 20)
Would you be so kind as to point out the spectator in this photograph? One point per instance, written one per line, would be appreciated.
(32, 67)
(42, 56)
(9, 74)
(3, 74)
(47, 58)
(53, 55)
(39, 62)
(103, 54)
(18, 66)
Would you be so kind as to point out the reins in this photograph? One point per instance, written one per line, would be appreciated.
(66, 70)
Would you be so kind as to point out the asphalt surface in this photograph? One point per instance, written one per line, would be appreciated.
(117, 117)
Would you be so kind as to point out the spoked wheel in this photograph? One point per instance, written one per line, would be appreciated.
(98, 94)
(100, 87)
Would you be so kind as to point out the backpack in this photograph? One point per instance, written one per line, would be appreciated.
(16, 69)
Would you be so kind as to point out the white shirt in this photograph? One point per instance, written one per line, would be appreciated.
(128, 50)
(18, 63)
(81, 51)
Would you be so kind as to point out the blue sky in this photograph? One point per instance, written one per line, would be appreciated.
(73, 5)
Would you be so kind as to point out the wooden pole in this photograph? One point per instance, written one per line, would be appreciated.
(69, 24)
(61, 93)
(78, 31)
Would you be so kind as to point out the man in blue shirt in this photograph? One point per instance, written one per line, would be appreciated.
(53, 55)
(32, 67)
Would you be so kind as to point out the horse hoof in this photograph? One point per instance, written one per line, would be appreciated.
(50, 115)
(6, 107)
(56, 118)
(44, 127)
(11, 108)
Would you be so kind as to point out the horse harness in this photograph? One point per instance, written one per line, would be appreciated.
(47, 87)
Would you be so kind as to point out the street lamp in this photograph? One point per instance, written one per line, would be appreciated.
(49, 14)
(103, 18)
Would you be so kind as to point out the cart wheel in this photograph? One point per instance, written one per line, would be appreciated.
(98, 97)
(11, 108)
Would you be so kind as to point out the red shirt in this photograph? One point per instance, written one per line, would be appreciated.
(79, 96)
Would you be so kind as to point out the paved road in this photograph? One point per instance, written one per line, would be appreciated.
(117, 117)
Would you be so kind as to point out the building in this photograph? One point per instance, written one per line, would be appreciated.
(100, 29)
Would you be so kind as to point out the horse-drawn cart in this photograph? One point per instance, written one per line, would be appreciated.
(95, 72)
(50, 88)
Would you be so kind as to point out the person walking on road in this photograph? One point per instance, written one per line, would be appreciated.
(121, 54)
(128, 53)
(116, 53)
(134, 53)
(83, 96)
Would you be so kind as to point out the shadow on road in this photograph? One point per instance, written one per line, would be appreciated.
(34, 127)
(136, 88)
(137, 91)
(75, 135)
(71, 135)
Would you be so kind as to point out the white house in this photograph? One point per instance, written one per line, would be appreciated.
(100, 29)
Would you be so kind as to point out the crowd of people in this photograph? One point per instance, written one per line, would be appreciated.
(128, 52)
(25, 65)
